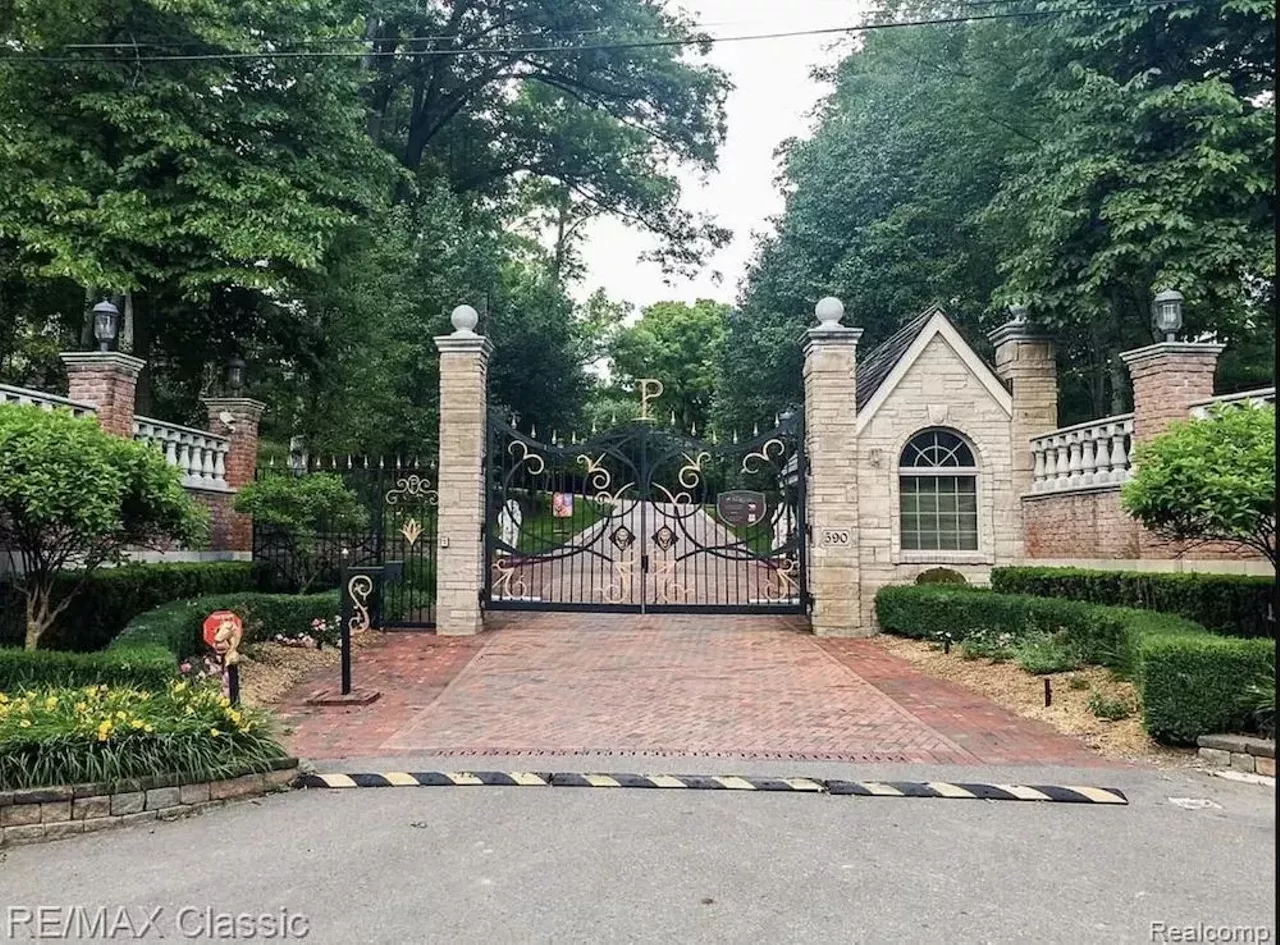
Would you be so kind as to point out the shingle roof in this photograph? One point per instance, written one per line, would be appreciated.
(880, 361)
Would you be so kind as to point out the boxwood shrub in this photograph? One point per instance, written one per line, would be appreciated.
(1192, 682)
(1230, 604)
(147, 653)
(1194, 686)
(114, 596)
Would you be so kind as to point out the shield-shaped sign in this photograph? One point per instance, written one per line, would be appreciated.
(740, 507)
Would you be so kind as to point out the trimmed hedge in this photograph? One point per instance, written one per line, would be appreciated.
(177, 627)
(147, 653)
(114, 596)
(1194, 686)
(1229, 604)
(1193, 682)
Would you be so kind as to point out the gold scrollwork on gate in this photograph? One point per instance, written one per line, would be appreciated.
(784, 585)
(619, 588)
(691, 472)
(668, 589)
(771, 451)
(412, 531)
(506, 583)
(600, 479)
(526, 456)
(359, 587)
(412, 487)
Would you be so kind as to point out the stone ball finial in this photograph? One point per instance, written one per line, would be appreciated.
(829, 311)
(464, 318)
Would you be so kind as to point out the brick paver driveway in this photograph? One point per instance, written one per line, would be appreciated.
(672, 685)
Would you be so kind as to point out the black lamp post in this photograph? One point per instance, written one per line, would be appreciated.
(235, 374)
(1166, 313)
(106, 325)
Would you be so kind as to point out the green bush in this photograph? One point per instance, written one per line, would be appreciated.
(1112, 710)
(940, 576)
(111, 597)
(147, 667)
(1192, 682)
(52, 736)
(1193, 686)
(177, 627)
(1043, 653)
(1230, 604)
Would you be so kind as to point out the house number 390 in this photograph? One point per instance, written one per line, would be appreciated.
(835, 536)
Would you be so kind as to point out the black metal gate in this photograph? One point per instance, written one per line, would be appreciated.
(389, 519)
(645, 519)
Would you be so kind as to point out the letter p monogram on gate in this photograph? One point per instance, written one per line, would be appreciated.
(650, 389)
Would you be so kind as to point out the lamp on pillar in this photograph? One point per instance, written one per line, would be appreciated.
(235, 375)
(106, 325)
(1166, 313)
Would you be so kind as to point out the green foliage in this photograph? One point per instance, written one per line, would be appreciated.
(146, 667)
(1078, 683)
(1260, 696)
(1043, 653)
(1078, 163)
(1194, 686)
(177, 627)
(1230, 604)
(56, 736)
(1111, 710)
(72, 495)
(1211, 479)
(1192, 682)
(940, 576)
(111, 597)
(301, 510)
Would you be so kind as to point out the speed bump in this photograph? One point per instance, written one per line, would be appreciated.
(1063, 794)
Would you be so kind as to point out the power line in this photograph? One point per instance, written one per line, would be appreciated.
(600, 47)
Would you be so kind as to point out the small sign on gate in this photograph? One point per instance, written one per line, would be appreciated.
(562, 505)
(740, 507)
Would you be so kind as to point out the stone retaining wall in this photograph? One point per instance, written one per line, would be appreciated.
(1239, 753)
(37, 814)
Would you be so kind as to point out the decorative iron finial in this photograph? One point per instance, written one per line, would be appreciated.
(755, 430)
(693, 428)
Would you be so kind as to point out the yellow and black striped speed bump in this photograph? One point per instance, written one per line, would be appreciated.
(1062, 794)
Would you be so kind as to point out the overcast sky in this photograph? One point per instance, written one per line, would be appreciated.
(771, 101)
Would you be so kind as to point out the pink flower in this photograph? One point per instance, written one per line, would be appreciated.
(185, 667)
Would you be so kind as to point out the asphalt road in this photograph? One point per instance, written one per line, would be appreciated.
(524, 865)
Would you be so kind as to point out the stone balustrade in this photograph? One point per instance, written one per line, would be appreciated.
(200, 456)
(1085, 456)
(1254, 398)
(36, 398)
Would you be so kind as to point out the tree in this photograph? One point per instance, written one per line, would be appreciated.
(679, 344)
(74, 497)
(1211, 479)
(303, 511)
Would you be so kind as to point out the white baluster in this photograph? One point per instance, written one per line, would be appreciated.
(1073, 458)
(220, 463)
(1064, 463)
(1037, 477)
(206, 447)
(1088, 456)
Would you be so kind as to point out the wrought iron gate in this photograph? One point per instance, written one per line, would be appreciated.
(644, 519)
(390, 521)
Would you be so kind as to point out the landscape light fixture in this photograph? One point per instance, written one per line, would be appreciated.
(235, 374)
(1166, 313)
(829, 311)
(106, 324)
(1018, 313)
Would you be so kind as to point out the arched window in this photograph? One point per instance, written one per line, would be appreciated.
(938, 480)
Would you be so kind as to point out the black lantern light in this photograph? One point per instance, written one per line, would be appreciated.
(1166, 313)
(106, 324)
(235, 374)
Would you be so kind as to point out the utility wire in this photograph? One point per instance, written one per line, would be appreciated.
(596, 47)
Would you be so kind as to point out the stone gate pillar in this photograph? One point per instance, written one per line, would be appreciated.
(109, 381)
(464, 370)
(1167, 379)
(236, 418)
(830, 414)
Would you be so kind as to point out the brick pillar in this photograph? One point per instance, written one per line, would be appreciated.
(237, 419)
(109, 381)
(1167, 379)
(830, 414)
(464, 370)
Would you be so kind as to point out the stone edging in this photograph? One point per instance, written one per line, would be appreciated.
(1239, 752)
(33, 815)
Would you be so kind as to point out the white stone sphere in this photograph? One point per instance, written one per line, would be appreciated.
(464, 318)
(829, 311)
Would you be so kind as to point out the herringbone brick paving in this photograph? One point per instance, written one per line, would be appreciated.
(750, 687)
